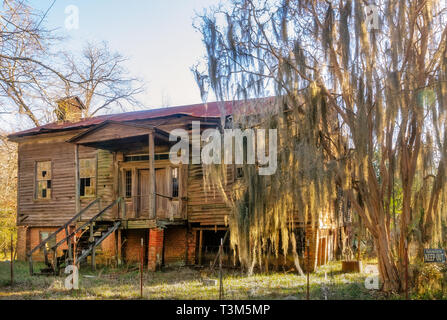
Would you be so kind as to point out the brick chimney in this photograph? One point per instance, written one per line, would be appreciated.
(69, 109)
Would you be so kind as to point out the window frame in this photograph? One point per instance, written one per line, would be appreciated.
(95, 158)
(238, 172)
(171, 183)
(49, 233)
(130, 172)
(36, 196)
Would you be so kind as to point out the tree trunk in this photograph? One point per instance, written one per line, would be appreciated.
(295, 255)
(387, 268)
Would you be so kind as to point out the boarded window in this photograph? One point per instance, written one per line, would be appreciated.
(87, 172)
(43, 180)
(128, 184)
(44, 235)
(175, 182)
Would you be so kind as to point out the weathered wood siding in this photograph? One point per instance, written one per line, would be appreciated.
(104, 183)
(54, 211)
(105, 176)
(61, 207)
(206, 206)
(197, 204)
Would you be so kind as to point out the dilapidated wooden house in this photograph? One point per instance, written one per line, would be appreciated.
(104, 187)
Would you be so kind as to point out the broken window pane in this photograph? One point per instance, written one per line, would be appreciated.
(87, 172)
(43, 180)
(175, 182)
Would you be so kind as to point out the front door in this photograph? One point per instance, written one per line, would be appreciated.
(164, 206)
(143, 193)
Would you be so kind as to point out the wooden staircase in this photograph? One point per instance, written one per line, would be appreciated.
(92, 237)
(80, 243)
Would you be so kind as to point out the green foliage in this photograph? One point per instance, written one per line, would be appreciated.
(7, 228)
(8, 196)
(431, 281)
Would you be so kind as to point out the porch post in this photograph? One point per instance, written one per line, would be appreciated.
(77, 191)
(135, 199)
(119, 249)
(116, 187)
(151, 176)
(200, 246)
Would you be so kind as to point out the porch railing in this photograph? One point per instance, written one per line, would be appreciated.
(137, 206)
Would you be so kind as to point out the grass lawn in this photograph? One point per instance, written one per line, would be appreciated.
(185, 283)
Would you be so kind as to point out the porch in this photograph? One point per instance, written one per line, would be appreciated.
(152, 191)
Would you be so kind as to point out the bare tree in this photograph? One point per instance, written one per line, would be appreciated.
(101, 80)
(33, 75)
(24, 77)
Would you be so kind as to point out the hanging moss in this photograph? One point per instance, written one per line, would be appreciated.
(267, 209)
(356, 108)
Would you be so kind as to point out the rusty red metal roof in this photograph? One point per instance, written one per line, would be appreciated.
(203, 110)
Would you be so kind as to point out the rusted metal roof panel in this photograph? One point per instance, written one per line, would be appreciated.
(207, 110)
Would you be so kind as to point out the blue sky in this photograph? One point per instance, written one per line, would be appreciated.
(157, 36)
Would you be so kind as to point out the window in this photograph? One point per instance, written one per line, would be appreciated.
(43, 180)
(128, 184)
(145, 157)
(87, 172)
(175, 182)
(239, 172)
(44, 235)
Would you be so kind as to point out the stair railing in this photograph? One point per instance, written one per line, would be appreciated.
(54, 234)
(71, 235)
(97, 243)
